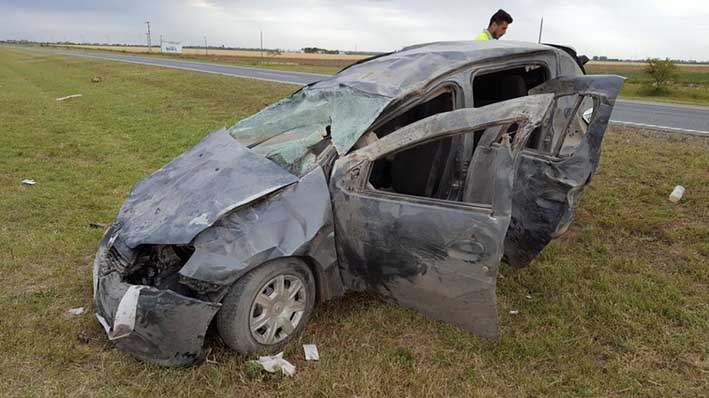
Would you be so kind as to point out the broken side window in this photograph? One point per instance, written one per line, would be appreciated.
(439, 169)
(444, 99)
(503, 85)
(565, 126)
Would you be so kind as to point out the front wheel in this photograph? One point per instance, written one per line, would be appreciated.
(267, 307)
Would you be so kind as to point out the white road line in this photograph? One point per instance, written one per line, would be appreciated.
(655, 127)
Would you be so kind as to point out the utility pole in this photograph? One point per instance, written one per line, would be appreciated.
(541, 28)
(261, 46)
(148, 34)
(205, 45)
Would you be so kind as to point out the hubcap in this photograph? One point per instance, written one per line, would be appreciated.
(277, 309)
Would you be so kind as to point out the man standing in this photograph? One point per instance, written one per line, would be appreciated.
(497, 28)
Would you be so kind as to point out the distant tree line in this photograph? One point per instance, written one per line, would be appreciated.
(317, 50)
(676, 61)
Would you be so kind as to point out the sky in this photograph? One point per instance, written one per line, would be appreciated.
(633, 29)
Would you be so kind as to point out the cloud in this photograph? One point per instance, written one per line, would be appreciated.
(632, 28)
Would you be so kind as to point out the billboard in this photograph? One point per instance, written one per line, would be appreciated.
(172, 47)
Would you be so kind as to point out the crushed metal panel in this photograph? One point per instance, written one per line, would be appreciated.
(158, 326)
(194, 190)
(438, 257)
(548, 189)
(295, 221)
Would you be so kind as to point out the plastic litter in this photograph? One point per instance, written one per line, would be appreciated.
(76, 311)
(69, 97)
(514, 312)
(311, 352)
(677, 194)
(29, 181)
(273, 364)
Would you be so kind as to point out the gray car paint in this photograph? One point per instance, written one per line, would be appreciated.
(226, 185)
(438, 257)
(549, 186)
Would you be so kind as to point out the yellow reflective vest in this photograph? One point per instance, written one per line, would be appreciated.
(484, 35)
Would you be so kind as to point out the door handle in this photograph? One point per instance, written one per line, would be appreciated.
(470, 251)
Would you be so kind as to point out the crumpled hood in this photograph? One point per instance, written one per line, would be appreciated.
(195, 190)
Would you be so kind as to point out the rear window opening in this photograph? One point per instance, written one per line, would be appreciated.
(443, 102)
(490, 88)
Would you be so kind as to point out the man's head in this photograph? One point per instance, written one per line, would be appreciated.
(498, 24)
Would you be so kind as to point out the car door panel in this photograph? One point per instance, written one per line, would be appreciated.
(438, 257)
(549, 186)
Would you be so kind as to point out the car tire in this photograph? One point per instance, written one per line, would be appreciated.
(247, 305)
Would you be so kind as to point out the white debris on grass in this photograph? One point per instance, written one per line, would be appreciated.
(273, 364)
(677, 194)
(29, 181)
(529, 297)
(69, 97)
(311, 352)
(76, 311)
(514, 312)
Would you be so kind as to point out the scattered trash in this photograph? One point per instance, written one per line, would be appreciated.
(273, 364)
(529, 296)
(76, 311)
(311, 352)
(97, 225)
(96, 79)
(69, 97)
(29, 181)
(83, 337)
(676, 194)
(514, 312)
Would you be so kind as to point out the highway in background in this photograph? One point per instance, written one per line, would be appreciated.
(685, 119)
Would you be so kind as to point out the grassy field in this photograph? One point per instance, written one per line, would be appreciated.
(617, 307)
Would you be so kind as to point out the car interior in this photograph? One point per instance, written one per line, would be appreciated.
(433, 169)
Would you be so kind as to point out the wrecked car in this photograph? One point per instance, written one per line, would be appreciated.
(409, 175)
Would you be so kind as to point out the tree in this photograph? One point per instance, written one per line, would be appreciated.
(662, 72)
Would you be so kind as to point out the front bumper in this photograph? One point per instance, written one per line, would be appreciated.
(154, 325)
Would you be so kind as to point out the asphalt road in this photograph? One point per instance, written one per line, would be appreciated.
(683, 119)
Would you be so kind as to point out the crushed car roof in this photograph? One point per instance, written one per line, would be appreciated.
(343, 107)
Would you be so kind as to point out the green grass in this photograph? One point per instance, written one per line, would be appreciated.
(691, 86)
(617, 307)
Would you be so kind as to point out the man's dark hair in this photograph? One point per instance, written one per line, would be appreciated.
(501, 16)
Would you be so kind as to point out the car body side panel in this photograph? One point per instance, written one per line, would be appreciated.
(296, 221)
(548, 189)
(438, 257)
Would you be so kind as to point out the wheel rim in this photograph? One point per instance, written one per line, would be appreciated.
(277, 309)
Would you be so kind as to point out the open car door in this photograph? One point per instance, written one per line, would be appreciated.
(398, 237)
(559, 161)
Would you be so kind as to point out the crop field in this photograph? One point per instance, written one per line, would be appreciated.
(617, 307)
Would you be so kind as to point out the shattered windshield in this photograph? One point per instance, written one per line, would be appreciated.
(288, 131)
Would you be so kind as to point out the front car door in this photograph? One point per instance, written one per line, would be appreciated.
(397, 237)
(559, 161)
